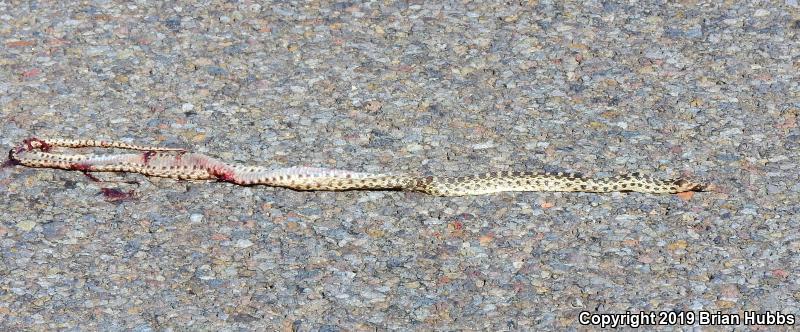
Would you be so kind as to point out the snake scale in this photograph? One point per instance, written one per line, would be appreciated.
(181, 164)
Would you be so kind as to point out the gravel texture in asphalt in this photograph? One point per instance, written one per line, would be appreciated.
(707, 90)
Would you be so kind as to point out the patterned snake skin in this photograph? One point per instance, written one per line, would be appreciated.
(180, 164)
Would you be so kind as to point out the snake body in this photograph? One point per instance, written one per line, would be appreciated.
(180, 164)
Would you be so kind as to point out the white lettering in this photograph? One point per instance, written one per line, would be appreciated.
(583, 318)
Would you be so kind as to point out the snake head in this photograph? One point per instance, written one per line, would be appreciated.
(684, 185)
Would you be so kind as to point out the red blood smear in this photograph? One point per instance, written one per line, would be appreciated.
(80, 167)
(91, 177)
(147, 155)
(223, 175)
(114, 195)
(85, 169)
(42, 145)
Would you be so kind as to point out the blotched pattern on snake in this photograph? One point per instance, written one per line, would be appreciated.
(181, 164)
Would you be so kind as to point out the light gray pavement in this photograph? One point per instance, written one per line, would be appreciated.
(687, 88)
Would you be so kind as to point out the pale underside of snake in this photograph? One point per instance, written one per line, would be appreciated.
(181, 164)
